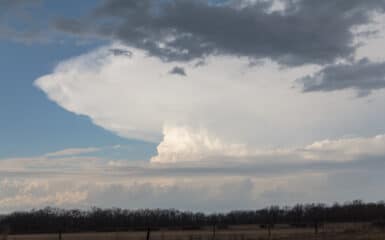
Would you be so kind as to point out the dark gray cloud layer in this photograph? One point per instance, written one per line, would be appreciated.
(363, 76)
(306, 31)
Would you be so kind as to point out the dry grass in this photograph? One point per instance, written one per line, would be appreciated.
(359, 231)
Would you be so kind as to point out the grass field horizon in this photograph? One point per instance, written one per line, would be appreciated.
(334, 231)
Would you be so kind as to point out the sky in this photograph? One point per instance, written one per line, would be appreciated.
(197, 105)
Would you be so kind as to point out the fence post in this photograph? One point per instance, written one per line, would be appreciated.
(5, 230)
(148, 233)
(315, 227)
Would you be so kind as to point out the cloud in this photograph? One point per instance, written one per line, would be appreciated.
(37, 193)
(280, 31)
(323, 171)
(235, 130)
(178, 71)
(120, 52)
(185, 145)
(291, 33)
(186, 154)
(137, 98)
(72, 151)
(363, 76)
(219, 139)
(27, 194)
(347, 148)
(222, 192)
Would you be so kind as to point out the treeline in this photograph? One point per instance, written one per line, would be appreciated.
(50, 220)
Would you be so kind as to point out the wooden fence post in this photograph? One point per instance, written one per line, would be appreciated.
(148, 233)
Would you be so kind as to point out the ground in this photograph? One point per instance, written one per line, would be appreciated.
(348, 231)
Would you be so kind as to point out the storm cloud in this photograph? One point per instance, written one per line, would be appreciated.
(363, 76)
(300, 32)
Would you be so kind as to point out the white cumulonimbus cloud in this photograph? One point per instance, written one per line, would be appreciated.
(222, 105)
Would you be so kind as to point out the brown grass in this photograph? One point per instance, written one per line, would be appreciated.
(358, 231)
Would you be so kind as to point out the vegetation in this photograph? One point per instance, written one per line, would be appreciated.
(313, 216)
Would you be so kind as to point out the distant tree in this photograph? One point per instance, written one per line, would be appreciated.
(51, 220)
(297, 214)
(270, 217)
(315, 215)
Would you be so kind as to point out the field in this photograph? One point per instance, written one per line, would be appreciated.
(245, 232)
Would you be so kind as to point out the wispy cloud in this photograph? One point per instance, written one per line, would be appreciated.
(73, 151)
